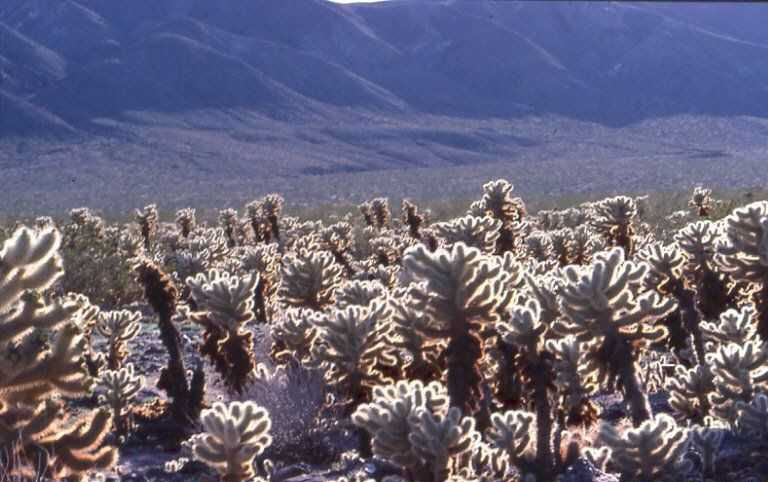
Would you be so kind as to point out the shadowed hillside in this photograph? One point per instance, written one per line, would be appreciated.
(608, 63)
(310, 87)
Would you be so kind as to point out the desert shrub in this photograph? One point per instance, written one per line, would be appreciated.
(100, 258)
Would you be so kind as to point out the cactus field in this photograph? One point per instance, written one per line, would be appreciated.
(620, 339)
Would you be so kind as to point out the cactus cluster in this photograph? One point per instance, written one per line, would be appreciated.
(500, 344)
(42, 360)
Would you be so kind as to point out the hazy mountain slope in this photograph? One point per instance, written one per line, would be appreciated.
(645, 64)
(169, 73)
(26, 66)
(64, 26)
(746, 21)
(611, 63)
(501, 72)
(21, 119)
(219, 92)
(305, 73)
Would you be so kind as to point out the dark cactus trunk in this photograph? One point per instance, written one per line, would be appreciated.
(464, 378)
(713, 295)
(760, 300)
(639, 408)
(544, 452)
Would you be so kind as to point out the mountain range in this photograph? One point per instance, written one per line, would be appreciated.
(222, 90)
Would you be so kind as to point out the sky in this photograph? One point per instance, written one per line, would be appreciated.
(356, 1)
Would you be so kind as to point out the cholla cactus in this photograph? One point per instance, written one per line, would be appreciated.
(225, 305)
(689, 391)
(409, 326)
(228, 221)
(746, 252)
(745, 255)
(85, 220)
(264, 260)
(309, 279)
(477, 232)
(547, 368)
(385, 251)
(650, 452)
(512, 432)
(401, 421)
(388, 276)
(547, 219)
(358, 293)
(753, 416)
(204, 249)
(575, 379)
(365, 210)
(264, 217)
(600, 304)
(734, 326)
(294, 335)
(740, 372)
(412, 218)
(706, 442)
(699, 242)
(337, 238)
(560, 242)
(88, 316)
(584, 243)
(302, 235)
(272, 207)
(118, 327)
(545, 289)
(258, 222)
(186, 221)
(120, 388)
(376, 213)
(148, 219)
(353, 346)
(462, 294)
(439, 439)
(235, 434)
(380, 212)
(613, 219)
(499, 203)
(539, 245)
(34, 371)
(665, 275)
(701, 201)
(524, 330)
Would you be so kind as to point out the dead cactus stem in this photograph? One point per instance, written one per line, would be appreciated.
(162, 295)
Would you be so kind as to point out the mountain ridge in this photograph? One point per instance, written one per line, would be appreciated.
(297, 88)
(610, 63)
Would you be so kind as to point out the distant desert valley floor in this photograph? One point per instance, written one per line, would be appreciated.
(437, 158)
